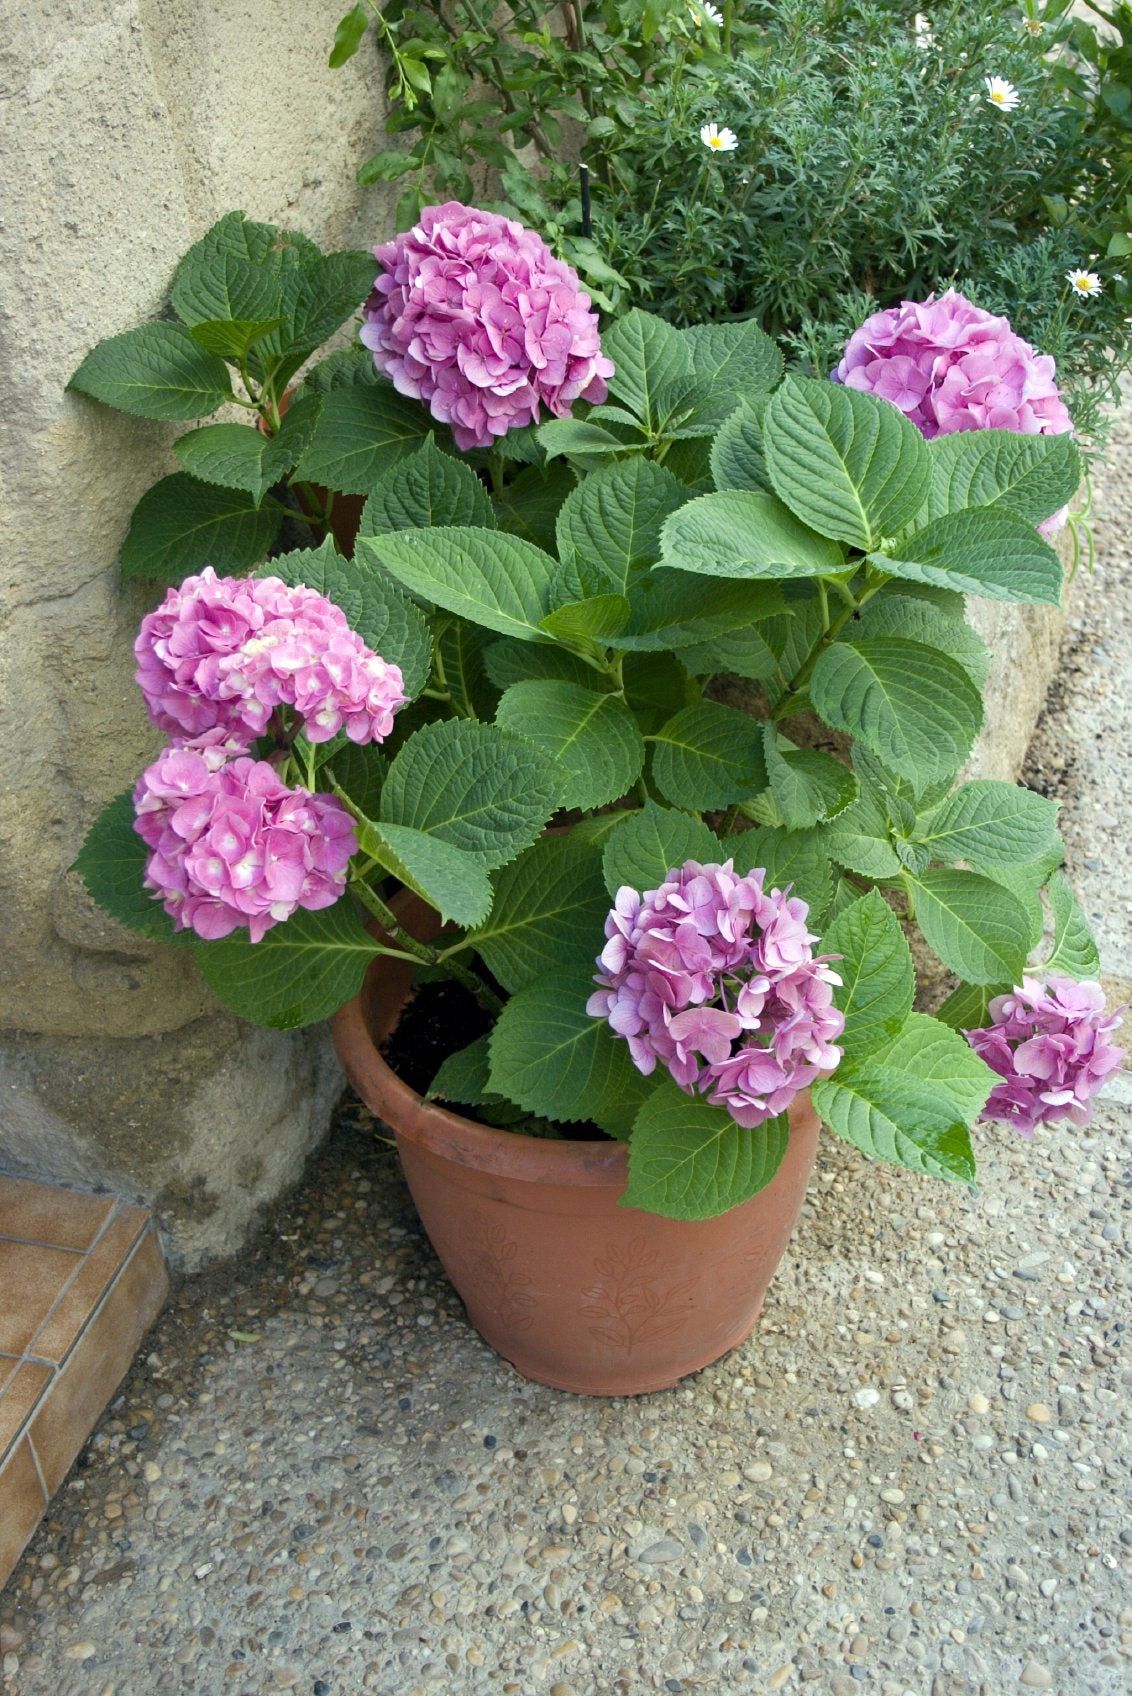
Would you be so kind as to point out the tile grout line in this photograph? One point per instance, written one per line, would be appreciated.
(38, 1468)
(92, 1317)
(40, 1242)
(82, 1260)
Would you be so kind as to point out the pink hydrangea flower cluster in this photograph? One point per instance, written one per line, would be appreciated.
(231, 845)
(474, 315)
(715, 977)
(948, 366)
(224, 652)
(1049, 1044)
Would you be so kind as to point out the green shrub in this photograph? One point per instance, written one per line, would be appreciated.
(870, 164)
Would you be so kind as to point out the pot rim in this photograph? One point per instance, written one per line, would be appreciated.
(450, 1135)
(361, 1025)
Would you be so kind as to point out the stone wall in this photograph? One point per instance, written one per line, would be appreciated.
(130, 126)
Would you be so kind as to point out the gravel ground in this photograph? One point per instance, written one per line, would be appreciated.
(910, 1481)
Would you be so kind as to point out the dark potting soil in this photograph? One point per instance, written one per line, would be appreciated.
(439, 1019)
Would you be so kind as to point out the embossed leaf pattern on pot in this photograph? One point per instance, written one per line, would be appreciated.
(627, 1300)
(509, 1288)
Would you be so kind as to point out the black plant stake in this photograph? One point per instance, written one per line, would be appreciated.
(584, 184)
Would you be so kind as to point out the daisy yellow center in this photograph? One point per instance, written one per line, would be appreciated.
(998, 96)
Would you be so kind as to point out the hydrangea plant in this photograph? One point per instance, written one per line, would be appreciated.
(674, 914)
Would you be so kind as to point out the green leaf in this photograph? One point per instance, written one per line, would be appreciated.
(111, 863)
(914, 708)
(594, 620)
(740, 533)
(924, 1048)
(426, 489)
(511, 661)
(232, 339)
(737, 458)
(529, 506)
(238, 456)
(791, 859)
(609, 527)
(979, 929)
(348, 36)
(387, 166)
(896, 614)
(654, 684)
(300, 972)
(181, 524)
(447, 877)
(732, 361)
(877, 976)
(360, 771)
(649, 355)
(582, 441)
(677, 609)
(317, 293)
(849, 465)
(990, 824)
(361, 432)
(650, 843)
(747, 653)
(995, 554)
(549, 912)
(1023, 882)
(493, 579)
(345, 368)
(232, 274)
(859, 838)
(473, 786)
(463, 1076)
(1030, 475)
(967, 1007)
(460, 650)
(897, 1118)
(155, 371)
(708, 755)
(550, 1057)
(385, 618)
(689, 1160)
(1074, 950)
(807, 786)
(689, 459)
(593, 737)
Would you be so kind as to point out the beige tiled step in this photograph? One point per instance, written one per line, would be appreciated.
(81, 1279)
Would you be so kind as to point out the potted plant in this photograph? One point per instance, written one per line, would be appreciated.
(470, 793)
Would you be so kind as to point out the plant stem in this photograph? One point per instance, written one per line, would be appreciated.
(829, 635)
(421, 951)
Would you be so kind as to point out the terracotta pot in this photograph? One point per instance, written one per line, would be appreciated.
(346, 513)
(574, 1290)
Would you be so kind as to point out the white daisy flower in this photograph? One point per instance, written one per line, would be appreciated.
(922, 33)
(1002, 94)
(1032, 26)
(701, 10)
(1084, 283)
(719, 141)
